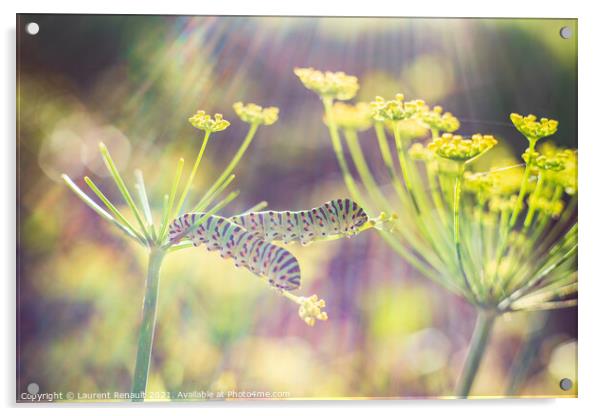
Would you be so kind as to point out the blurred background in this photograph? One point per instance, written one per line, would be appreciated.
(132, 82)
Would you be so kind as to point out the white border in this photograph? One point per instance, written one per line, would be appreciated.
(590, 155)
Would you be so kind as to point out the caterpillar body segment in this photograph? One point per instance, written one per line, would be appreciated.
(336, 217)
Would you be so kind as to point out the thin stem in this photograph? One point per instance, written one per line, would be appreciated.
(239, 153)
(436, 192)
(101, 212)
(537, 278)
(164, 217)
(523, 187)
(141, 188)
(122, 188)
(388, 160)
(206, 201)
(112, 208)
(171, 199)
(193, 172)
(478, 344)
(338, 150)
(362, 167)
(531, 211)
(403, 165)
(547, 306)
(147, 327)
(457, 236)
(257, 207)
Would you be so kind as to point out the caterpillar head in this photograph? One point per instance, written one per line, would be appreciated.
(356, 220)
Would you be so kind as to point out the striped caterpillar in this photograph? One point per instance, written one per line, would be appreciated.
(259, 256)
(336, 217)
(247, 237)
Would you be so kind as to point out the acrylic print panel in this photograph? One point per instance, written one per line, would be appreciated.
(224, 208)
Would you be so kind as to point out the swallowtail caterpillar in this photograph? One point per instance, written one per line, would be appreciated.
(336, 217)
(247, 238)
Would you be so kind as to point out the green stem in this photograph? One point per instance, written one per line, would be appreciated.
(362, 167)
(142, 195)
(388, 160)
(116, 213)
(123, 188)
(256, 208)
(208, 199)
(528, 351)
(147, 327)
(338, 150)
(193, 172)
(523, 186)
(403, 165)
(457, 235)
(226, 173)
(168, 214)
(531, 211)
(436, 193)
(478, 344)
(104, 214)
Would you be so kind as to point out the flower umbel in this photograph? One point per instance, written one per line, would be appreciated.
(203, 121)
(255, 114)
(351, 117)
(418, 151)
(455, 147)
(533, 129)
(396, 109)
(328, 84)
(436, 119)
(567, 177)
(310, 308)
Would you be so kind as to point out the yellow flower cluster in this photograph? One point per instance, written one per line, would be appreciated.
(547, 206)
(455, 147)
(567, 177)
(353, 117)
(396, 109)
(329, 84)
(500, 203)
(551, 162)
(438, 120)
(478, 183)
(311, 309)
(255, 114)
(508, 181)
(203, 121)
(533, 129)
(420, 152)
(494, 184)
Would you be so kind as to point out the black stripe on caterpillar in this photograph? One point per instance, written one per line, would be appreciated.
(248, 250)
(336, 217)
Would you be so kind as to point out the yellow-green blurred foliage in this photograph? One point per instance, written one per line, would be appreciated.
(390, 332)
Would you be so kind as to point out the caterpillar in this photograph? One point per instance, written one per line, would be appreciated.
(248, 250)
(336, 217)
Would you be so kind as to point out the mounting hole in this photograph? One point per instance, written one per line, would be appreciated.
(32, 28)
(566, 32)
(566, 384)
(33, 388)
